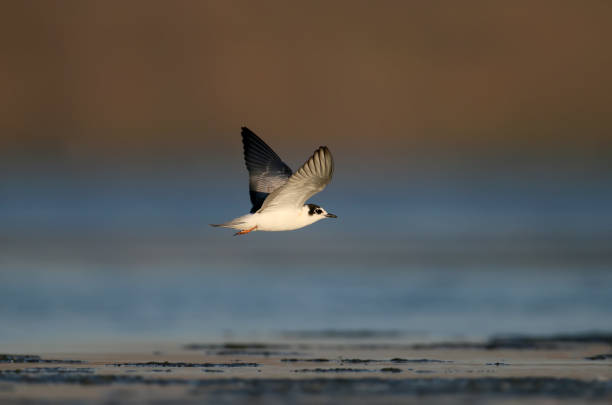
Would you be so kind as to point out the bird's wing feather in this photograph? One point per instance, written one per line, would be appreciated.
(310, 179)
(267, 172)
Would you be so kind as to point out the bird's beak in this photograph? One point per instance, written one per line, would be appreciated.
(331, 216)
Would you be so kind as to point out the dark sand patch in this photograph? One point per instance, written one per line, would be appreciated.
(334, 370)
(514, 386)
(401, 361)
(50, 370)
(342, 334)
(605, 356)
(395, 360)
(264, 353)
(243, 349)
(296, 360)
(359, 361)
(236, 346)
(524, 342)
(30, 358)
(183, 364)
(391, 370)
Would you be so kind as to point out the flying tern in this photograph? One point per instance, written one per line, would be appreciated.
(278, 195)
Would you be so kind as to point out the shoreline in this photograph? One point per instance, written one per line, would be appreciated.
(568, 367)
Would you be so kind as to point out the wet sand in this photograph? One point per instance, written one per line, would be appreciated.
(559, 370)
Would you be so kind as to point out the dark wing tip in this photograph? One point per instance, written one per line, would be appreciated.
(325, 151)
(249, 137)
(247, 133)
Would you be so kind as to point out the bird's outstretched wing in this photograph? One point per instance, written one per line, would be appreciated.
(310, 179)
(267, 172)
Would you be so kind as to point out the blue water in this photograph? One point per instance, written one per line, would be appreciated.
(204, 304)
(87, 258)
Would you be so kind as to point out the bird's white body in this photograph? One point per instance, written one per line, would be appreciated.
(288, 219)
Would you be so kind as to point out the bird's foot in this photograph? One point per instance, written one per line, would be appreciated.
(245, 231)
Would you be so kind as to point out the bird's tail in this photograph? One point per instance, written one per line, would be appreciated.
(229, 224)
(236, 223)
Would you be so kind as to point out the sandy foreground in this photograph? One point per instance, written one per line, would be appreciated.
(502, 371)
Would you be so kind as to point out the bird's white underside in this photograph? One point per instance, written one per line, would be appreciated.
(275, 220)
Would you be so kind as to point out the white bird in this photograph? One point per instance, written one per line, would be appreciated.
(277, 195)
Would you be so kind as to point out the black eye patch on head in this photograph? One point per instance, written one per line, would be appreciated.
(312, 208)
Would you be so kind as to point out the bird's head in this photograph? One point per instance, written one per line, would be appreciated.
(316, 213)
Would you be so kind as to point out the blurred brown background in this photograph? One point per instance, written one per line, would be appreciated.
(472, 143)
(93, 80)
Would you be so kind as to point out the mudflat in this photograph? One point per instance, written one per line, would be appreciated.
(502, 370)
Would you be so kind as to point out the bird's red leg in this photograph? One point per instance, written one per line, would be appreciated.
(245, 231)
